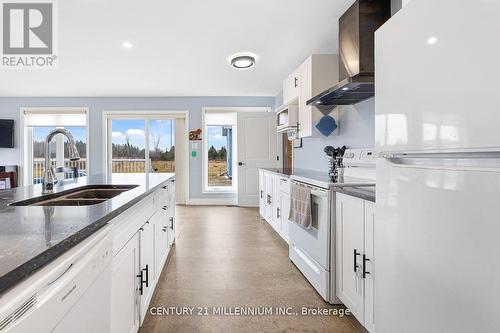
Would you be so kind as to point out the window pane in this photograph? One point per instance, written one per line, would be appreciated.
(219, 155)
(128, 146)
(162, 145)
(39, 135)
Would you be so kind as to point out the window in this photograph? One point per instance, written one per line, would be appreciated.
(37, 124)
(219, 169)
(142, 144)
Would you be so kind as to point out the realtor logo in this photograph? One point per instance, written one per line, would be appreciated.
(28, 30)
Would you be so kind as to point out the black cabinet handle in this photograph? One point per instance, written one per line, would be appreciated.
(296, 82)
(141, 281)
(171, 223)
(164, 187)
(261, 194)
(164, 228)
(269, 201)
(278, 212)
(164, 208)
(356, 254)
(173, 180)
(365, 259)
(147, 275)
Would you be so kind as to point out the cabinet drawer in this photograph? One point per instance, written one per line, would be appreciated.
(284, 185)
(127, 223)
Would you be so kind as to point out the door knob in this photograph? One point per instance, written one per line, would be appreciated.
(241, 163)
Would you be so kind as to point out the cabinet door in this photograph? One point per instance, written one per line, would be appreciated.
(269, 197)
(291, 88)
(350, 218)
(369, 319)
(171, 214)
(161, 240)
(262, 195)
(146, 265)
(305, 111)
(284, 213)
(125, 288)
(276, 205)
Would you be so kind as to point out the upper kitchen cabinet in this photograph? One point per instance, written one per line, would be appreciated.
(291, 90)
(315, 74)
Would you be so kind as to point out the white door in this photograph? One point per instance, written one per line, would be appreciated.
(350, 218)
(257, 148)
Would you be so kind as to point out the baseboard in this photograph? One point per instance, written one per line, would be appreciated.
(212, 202)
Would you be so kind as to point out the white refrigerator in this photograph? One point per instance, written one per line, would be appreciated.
(437, 229)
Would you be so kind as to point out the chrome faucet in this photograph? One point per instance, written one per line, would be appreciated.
(49, 178)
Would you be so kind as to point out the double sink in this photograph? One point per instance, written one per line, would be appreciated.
(80, 196)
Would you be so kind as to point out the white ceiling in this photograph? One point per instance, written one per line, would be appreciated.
(181, 48)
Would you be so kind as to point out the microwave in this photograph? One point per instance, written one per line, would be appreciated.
(286, 118)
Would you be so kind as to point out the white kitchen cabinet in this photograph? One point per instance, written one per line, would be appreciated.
(274, 207)
(146, 274)
(276, 215)
(171, 213)
(284, 211)
(124, 288)
(316, 74)
(262, 196)
(140, 251)
(369, 318)
(354, 245)
(268, 181)
(291, 88)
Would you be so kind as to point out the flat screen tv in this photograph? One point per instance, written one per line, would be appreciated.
(6, 133)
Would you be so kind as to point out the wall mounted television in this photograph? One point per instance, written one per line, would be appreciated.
(6, 133)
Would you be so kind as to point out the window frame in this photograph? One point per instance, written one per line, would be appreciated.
(26, 139)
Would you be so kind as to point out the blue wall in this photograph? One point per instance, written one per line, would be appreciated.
(9, 109)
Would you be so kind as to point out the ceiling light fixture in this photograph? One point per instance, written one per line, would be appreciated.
(127, 44)
(432, 40)
(242, 61)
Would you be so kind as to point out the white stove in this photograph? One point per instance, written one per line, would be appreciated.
(312, 250)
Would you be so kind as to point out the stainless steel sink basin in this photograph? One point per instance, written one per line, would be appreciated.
(79, 196)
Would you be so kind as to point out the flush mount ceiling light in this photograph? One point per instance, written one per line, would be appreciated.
(127, 45)
(242, 61)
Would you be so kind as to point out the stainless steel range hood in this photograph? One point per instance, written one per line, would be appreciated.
(356, 54)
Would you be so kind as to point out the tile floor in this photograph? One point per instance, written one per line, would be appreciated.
(227, 257)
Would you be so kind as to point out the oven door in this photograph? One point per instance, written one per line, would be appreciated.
(315, 242)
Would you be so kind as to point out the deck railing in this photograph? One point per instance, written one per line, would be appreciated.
(39, 167)
(120, 165)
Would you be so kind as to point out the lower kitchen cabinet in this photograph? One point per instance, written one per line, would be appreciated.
(124, 288)
(140, 252)
(355, 256)
(274, 204)
(146, 276)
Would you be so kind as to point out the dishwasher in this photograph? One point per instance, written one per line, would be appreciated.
(71, 294)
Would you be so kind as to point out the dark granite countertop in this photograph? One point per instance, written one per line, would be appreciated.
(366, 193)
(33, 236)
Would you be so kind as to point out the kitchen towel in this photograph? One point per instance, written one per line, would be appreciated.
(300, 206)
(326, 125)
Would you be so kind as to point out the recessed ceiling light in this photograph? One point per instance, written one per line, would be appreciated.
(432, 40)
(242, 61)
(127, 45)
